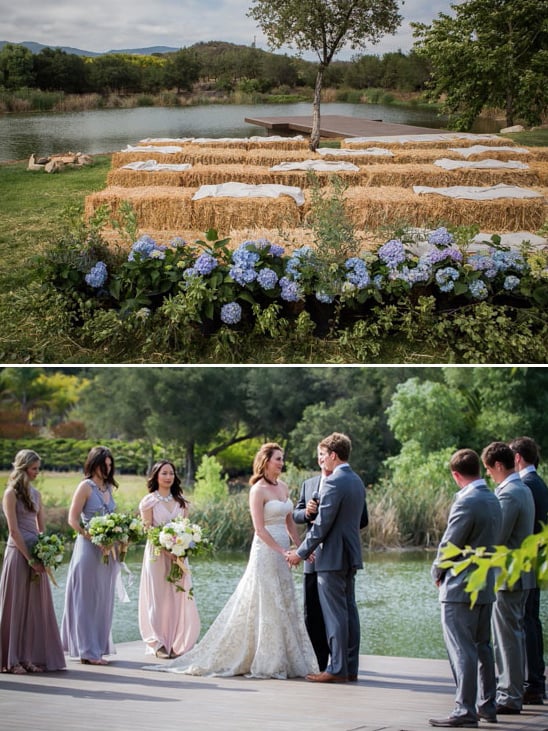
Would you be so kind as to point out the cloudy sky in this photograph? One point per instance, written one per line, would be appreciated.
(103, 25)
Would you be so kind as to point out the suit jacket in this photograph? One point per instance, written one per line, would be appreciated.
(308, 488)
(518, 515)
(475, 520)
(334, 536)
(539, 491)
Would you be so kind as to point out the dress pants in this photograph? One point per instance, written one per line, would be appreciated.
(313, 619)
(534, 645)
(509, 644)
(342, 621)
(467, 633)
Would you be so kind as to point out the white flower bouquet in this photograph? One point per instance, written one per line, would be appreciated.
(49, 551)
(112, 530)
(180, 538)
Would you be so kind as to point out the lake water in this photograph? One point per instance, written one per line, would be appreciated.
(397, 601)
(109, 130)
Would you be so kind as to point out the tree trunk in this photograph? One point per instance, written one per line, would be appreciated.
(509, 109)
(315, 133)
(190, 463)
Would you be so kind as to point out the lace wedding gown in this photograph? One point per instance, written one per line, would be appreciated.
(260, 632)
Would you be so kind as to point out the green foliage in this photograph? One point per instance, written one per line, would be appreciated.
(210, 486)
(228, 522)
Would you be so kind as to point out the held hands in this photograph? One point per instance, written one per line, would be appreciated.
(292, 558)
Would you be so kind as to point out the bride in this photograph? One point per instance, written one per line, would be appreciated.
(260, 632)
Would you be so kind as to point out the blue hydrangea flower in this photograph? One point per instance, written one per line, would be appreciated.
(446, 278)
(436, 255)
(478, 289)
(157, 254)
(243, 275)
(244, 257)
(205, 264)
(97, 275)
(291, 292)
(231, 313)
(294, 263)
(325, 298)
(415, 275)
(357, 272)
(392, 253)
(483, 263)
(143, 248)
(377, 281)
(267, 278)
(177, 242)
(505, 260)
(276, 250)
(441, 237)
(511, 282)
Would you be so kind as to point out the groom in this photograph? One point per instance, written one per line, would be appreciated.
(335, 541)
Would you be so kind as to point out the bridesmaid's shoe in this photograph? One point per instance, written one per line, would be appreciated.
(30, 667)
(162, 653)
(86, 661)
(17, 670)
(173, 655)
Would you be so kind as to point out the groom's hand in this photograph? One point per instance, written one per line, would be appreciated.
(292, 558)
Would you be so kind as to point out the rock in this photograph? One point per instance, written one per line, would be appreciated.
(33, 165)
(515, 128)
(53, 166)
(82, 159)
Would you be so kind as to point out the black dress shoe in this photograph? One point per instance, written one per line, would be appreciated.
(533, 699)
(454, 722)
(489, 717)
(507, 710)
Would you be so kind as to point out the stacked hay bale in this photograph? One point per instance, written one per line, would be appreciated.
(380, 183)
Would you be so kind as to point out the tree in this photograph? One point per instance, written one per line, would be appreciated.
(182, 70)
(324, 27)
(16, 67)
(56, 70)
(491, 53)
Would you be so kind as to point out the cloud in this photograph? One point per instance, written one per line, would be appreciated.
(115, 24)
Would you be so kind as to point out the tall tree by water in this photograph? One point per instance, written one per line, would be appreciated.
(324, 27)
(491, 53)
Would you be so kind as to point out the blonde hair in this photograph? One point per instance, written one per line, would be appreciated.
(19, 479)
(261, 460)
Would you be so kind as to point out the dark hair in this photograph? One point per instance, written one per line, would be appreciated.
(527, 448)
(175, 489)
(498, 452)
(466, 462)
(97, 459)
(338, 443)
(261, 459)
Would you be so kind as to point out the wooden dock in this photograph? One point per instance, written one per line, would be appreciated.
(337, 125)
(392, 694)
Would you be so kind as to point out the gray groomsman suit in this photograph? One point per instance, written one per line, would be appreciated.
(474, 520)
(336, 542)
(518, 513)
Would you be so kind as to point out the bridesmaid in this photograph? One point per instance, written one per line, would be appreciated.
(89, 600)
(168, 619)
(29, 636)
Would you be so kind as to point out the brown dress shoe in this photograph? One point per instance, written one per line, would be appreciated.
(325, 678)
(352, 678)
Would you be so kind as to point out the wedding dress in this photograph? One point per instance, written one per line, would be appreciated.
(260, 632)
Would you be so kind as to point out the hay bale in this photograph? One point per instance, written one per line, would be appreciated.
(440, 140)
(155, 207)
(137, 178)
(407, 175)
(225, 214)
(119, 159)
(371, 208)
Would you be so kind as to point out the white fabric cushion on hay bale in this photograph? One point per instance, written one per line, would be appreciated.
(447, 164)
(274, 138)
(479, 193)
(514, 240)
(478, 149)
(320, 165)
(156, 140)
(435, 137)
(152, 165)
(243, 190)
(152, 148)
(342, 152)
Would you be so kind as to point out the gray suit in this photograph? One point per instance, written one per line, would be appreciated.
(518, 513)
(336, 542)
(474, 520)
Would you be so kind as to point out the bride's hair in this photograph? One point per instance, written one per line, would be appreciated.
(261, 460)
(19, 478)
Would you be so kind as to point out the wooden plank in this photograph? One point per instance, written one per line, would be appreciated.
(392, 694)
(338, 125)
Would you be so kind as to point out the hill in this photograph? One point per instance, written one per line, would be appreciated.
(37, 47)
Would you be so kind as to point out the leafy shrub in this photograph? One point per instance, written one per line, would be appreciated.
(210, 486)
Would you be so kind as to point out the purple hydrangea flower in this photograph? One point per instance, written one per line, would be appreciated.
(97, 275)
(436, 255)
(291, 292)
(143, 248)
(243, 275)
(205, 264)
(441, 237)
(357, 272)
(392, 253)
(231, 313)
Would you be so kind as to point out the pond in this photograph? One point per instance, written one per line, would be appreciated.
(397, 601)
(108, 130)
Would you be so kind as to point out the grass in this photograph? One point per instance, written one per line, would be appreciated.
(34, 209)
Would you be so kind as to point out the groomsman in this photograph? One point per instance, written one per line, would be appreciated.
(526, 456)
(335, 541)
(518, 512)
(474, 520)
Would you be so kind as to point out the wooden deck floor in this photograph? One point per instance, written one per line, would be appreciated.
(393, 694)
(337, 125)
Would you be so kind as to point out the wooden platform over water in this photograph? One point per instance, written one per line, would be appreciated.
(393, 694)
(337, 125)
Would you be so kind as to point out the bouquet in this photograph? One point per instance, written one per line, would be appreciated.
(181, 539)
(109, 530)
(49, 551)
